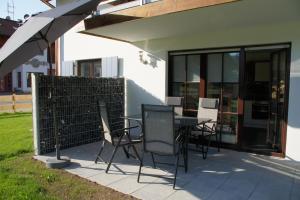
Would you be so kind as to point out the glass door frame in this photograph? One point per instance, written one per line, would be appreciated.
(281, 124)
(240, 103)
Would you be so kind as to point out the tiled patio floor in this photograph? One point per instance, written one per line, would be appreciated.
(225, 175)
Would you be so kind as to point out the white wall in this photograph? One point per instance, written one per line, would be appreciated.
(146, 83)
(24, 69)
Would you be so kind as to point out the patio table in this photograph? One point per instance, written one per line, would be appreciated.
(185, 123)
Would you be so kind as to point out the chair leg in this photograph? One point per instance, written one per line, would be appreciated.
(134, 148)
(204, 152)
(176, 169)
(218, 140)
(126, 152)
(114, 153)
(153, 161)
(136, 153)
(100, 151)
(185, 159)
(140, 168)
(207, 147)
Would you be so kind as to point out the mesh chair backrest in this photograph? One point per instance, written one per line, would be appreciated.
(105, 121)
(158, 129)
(208, 108)
(177, 103)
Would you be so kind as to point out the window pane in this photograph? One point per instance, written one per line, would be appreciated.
(19, 80)
(229, 128)
(178, 68)
(85, 69)
(230, 97)
(28, 77)
(231, 67)
(192, 95)
(178, 89)
(214, 68)
(193, 68)
(97, 69)
(213, 90)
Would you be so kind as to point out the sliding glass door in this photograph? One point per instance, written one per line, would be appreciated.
(253, 101)
(223, 83)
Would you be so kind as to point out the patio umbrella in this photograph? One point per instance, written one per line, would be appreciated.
(40, 31)
(37, 34)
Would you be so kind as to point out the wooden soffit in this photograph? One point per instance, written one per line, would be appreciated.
(150, 10)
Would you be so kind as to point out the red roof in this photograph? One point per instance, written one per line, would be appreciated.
(8, 27)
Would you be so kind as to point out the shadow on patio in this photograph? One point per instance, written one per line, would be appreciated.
(225, 175)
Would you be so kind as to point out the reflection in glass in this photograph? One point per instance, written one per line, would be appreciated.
(186, 80)
(214, 68)
(229, 128)
(193, 68)
(85, 69)
(213, 90)
(231, 67)
(97, 69)
(178, 69)
(192, 95)
(230, 97)
(178, 90)
(223, 83)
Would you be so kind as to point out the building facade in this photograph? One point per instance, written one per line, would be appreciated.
(239, 51)
(21, 76)
(7, 28)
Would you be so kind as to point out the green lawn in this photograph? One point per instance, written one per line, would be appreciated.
(22, 177)
(15, 134)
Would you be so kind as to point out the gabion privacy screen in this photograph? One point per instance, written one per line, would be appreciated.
(77, 116)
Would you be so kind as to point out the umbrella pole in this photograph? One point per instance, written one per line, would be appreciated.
(56, 135)
(59, 161)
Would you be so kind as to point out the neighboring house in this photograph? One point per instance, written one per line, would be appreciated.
(19, 79)
(7, 28)
(245, 52)
(21, 76)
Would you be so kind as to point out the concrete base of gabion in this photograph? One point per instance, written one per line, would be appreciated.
(54, 163)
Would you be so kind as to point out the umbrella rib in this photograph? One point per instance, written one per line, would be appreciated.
(78, 14)
(45, 36)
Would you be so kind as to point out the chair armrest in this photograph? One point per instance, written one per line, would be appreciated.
(124, 129)
(132, 127)
(204, 122)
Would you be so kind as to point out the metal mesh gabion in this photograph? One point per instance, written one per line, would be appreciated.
(76, 110)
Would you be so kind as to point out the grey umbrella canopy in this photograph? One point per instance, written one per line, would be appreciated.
(36, 35)
(39, 31)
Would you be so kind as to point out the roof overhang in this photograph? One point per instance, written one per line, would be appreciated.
(155, 21)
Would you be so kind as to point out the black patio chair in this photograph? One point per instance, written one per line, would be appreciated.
(201, 134)
(159, 136)
(118, 138)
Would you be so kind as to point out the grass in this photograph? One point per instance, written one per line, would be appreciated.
(22, 177)
(15, 134)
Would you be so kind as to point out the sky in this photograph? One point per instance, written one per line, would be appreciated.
(22, 7)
